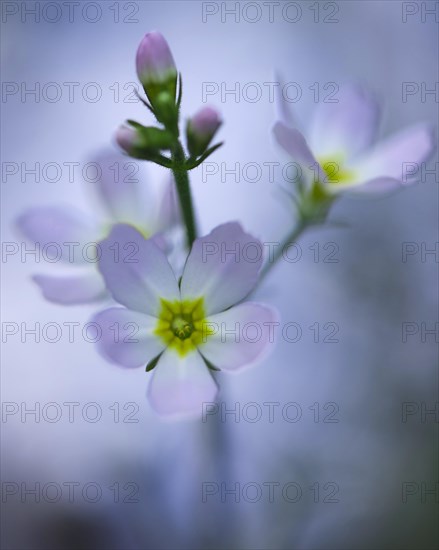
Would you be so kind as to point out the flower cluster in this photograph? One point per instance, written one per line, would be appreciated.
(187, 321)
(158, 75)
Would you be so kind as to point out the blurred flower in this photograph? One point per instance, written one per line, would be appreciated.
(340, 156)
(155, 67)
(179, 327)
(76, 236)
(200, 130)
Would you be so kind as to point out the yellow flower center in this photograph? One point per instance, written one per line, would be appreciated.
(182, 325)
(108, 227)
(335, 172)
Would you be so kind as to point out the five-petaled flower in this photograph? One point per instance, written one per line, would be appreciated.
(73, 237)
(182, 328)
(339, 154)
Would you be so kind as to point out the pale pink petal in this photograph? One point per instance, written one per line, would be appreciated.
(180, 385)
(242, 335)
(82, 288)
(294, 143)
(169, 208)
(345, 127)
(390, 158)
(125, 193)
(62, 231)
(127, 337)
(374, 186)
(136, 271)
(283, 111)
(222, 267)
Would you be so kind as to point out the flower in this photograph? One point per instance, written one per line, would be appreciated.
(65, 229)
(183, 328)
(155, 67)
(340, 155)
(200, 130)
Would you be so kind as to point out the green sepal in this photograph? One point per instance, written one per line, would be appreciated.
(155, 138)
(313, 204)
(193, 162)
(180, 90)
(153, 363)
(147, 105)
(135, 124)
(167, 84)
(166, 111)
(152, 139)
(209, 365)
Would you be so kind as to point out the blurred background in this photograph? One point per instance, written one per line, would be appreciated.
(354, 463)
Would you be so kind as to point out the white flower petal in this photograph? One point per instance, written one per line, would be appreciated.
(169, 209)
(82, 288)
(390, 158)
(374, 186)
(62, 231)
(180, 385)
(128, 337)
(136, 271)
(294, 143)
(222, 267)
(243, 334)
(125, 195)
(345, 127)
(283, 111)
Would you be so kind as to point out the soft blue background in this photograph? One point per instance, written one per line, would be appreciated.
(369, 293)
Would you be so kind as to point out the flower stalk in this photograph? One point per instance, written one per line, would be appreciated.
(292, 237)
(313, 206)
(180, 171)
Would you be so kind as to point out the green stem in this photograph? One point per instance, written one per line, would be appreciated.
(291, 238)
(184, 192)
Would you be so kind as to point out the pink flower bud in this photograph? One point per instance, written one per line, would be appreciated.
(206, 122)
(201, 128)
(127, 138)
(155, 66)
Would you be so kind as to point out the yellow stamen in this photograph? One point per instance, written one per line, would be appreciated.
(182, 325)
(335, 172)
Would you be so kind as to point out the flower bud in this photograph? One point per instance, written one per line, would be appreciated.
(200, 130)
(155, 67)
(141, 141)
(128, 139)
